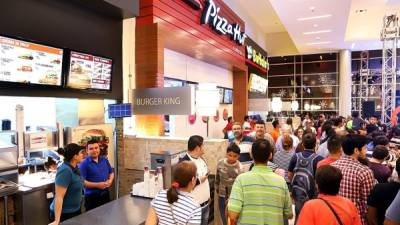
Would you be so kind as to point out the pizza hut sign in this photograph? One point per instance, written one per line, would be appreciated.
(220, 24)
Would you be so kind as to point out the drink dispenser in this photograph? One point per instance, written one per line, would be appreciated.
(166, 159)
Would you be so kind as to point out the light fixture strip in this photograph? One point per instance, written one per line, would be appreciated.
(319, 43)
(317, 32)
(314, 17)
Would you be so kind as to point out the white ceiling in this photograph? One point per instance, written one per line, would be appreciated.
(263, 15)
(348, 29)
(336, 12)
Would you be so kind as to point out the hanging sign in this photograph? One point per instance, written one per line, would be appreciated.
(163, 101)
(220, 24)
(256, 57)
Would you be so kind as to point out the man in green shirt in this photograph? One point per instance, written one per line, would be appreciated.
(260, 196)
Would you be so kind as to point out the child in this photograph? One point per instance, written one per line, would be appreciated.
(227, 171)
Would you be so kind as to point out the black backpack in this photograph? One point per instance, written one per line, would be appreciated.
(303, 182)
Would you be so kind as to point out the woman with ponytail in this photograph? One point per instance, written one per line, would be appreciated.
(69, 185)
(175, 206)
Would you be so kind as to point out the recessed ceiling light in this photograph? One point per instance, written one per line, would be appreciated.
(315, 25)
(317, 32)
(319, 43)
(312, 8)
(317, 38)
(314, 17)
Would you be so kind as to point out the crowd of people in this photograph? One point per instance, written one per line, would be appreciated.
(330, 169)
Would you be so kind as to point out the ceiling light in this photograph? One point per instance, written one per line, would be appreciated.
(312, 8)
(314, 17)
(352, 45)
(317, 38)
(320, 57)
(315, 25)
(319, 43)
(317, 32)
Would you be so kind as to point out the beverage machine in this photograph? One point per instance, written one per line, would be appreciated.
(166, 159)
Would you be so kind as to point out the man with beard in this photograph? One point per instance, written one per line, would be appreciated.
(358, 180)
(244, 142)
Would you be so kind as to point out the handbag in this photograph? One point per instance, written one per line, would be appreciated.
(333, 211)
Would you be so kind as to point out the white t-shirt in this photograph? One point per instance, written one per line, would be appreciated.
(201, 192)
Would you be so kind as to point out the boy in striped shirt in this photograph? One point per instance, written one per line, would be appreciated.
(260, 196)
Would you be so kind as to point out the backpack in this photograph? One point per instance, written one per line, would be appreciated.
(303, 183)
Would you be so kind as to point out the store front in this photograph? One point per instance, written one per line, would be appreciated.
(257, 67)
(178, 45)
(172, 42)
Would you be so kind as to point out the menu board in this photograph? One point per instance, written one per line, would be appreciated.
(89, 72)
(26, 62)
(258, 84)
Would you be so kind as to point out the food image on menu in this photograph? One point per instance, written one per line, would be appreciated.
(50, 79)
(80, 71)
(55, 61)
(25, 69)
(26, 56)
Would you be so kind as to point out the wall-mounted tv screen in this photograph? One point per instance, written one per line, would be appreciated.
(89, 72)
(221, 95)
(228, 96)
(30, 63)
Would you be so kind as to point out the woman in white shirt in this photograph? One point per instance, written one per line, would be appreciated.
(175, 206)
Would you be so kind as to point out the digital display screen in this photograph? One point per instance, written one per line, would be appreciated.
(221, 95)
(228, 96)
(27, 62)
(119, 110)
(89, 72)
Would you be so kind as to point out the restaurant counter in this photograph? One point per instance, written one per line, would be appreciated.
(126, 210)
(32, 200)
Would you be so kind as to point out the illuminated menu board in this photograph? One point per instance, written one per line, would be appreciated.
(26, 62)
(258, 84)
(89, 72)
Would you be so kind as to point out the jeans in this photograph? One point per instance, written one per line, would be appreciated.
(221, 204)
(64, 216)
(95, 200)
(205, 212)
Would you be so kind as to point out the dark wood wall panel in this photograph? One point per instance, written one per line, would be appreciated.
(149, 57)
(240, 95)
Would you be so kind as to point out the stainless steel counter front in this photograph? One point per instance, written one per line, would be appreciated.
(126, 210)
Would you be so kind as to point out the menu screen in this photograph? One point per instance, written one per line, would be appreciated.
(26, 62)
(89, 72)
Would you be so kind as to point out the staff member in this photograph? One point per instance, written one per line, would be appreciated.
(175, 205)
(98, 176)
(201, 192)
(69, 185)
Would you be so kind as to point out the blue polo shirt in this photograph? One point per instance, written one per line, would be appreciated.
(95, 172)
(69, 178)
